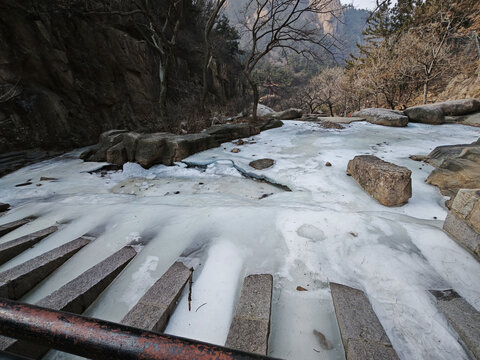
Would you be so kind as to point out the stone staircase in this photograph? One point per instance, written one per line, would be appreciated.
(362, 334)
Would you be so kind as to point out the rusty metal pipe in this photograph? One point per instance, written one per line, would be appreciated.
(99, 339)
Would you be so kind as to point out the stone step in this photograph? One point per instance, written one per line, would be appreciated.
(462, 316)
(362, 334)
(17, 281)
(155, 307)
(6, 228)
(250, 326)
(10, 249)
(74, 297)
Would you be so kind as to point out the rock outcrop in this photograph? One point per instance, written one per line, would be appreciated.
(458, 107)
(71, 70)
(435, 113)
(389, 184)
(383, 117)
(463, 220)
(425, 114)
(288, 114)
(470, 119)
(121, 146)
(457, 167)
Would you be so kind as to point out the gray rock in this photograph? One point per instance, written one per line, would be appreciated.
(362, 334)
(117, 154)
(10, 249)
(17, 281)
(106, 141)
(457, 167)
(462, 233)
(118, 146)
(151, 149)
(289, 114)
(270, 124)
(425, 114)
(383, 117)
(251, 324)
(470, 119)
(447, 152)
(6, 228)
(229, 132)
(462, 316)
(155, 307)
(389, 184)
(458, 107)
(181, 146)
(261, 164)
(341, 120)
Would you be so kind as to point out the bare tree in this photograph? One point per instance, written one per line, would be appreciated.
(281, 24)
(217, 6)
(325, 88)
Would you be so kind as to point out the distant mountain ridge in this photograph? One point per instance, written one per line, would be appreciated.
(344, 23)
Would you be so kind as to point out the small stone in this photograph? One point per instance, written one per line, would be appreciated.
(45, 178)
(239, 142)
(328, 163)
(419, 157)
(265, 196)
(261, 164)
(235, 150)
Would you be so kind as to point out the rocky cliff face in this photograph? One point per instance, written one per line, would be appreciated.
(66, 77)
(70, 70)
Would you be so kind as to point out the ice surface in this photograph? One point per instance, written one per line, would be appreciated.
(326, 229)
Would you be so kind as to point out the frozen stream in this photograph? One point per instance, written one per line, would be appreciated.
(326, 229)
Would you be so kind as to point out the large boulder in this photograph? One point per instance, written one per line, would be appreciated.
(263, 110)
(383, 117)
(458, 107)
(228, 132)
(289, 114)
(456, 167)
(165, 148)
(470, 119)
(463, 220)
(119, 146)
(106, 141)
(270, 124)
(151, 150)
(389, 184)
(425, 114)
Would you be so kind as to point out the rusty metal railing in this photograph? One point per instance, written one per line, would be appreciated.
(99, 339)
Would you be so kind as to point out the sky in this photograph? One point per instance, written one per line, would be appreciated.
(362, 4)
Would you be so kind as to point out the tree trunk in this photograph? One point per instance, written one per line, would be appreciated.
(330, 107)
(163, 75)
(208, 49)
(425, 91)
(256, 96)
